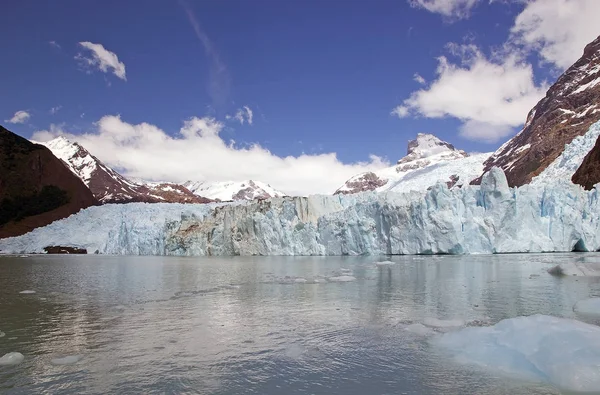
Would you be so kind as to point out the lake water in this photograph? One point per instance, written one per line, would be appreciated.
(264, 325)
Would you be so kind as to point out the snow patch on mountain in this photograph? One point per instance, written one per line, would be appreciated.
(233, 190)
(77, 159)
(428, 161)
(571, 158)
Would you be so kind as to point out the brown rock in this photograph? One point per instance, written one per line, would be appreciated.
(570, 107)
(588, 173)
(25, 169)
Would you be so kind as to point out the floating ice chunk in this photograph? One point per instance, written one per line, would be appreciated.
(12, 358)
(419, 329)
(67, 360)
(27, 291)
(341, 279)
(385, 263)
(2, 334)
(300, 280)
(559, 351)
(590, 269)
(437, 323)
(588, 307)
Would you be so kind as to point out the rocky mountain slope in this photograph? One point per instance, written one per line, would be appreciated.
(232, 190)
(108, 186)
(427, 161)
(35, 187)
(567, 111)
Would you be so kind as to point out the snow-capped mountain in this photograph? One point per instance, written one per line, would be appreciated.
(428, 160)
(233, 190)
(569, 109)
(108, 186)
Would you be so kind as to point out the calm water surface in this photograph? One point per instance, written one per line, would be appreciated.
(268, 325)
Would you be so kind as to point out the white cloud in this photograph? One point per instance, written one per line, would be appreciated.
(242, 115)
(401, 112)
(452, 9)
(199, 153)
(417, 77)
(557, 29)
(19, 117)
(102, 59)
(54, 110)
(490, 96)
(54, 44)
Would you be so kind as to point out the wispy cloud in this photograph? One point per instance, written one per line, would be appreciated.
(19, 117)
(101, 59)
(54, 110)
(219, 79)
(54, 44)
(242, 115)
(449, 9)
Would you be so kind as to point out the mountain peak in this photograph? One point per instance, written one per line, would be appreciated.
(233, 190)
(428, 146)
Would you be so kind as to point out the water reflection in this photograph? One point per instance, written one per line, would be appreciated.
(239, 325)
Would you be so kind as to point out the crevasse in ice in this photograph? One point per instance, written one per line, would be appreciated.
(491, 218)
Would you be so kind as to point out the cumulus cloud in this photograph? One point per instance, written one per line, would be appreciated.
(557, 29)
(199, 153)
(101, 59)
(19, 117)
(452, 9)
(490, 97)
(401, 112)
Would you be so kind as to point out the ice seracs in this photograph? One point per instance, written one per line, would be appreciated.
(233, 190)
(559, 351)
(485, 219)
(428, 160)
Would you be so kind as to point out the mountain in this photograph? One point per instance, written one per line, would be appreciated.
(567, 111)
(427, 161)
(35, 187)
(232, 190)
(108, 186)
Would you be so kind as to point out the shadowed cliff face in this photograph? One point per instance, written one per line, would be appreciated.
(588, 173)
(570, 107)
(35, 186)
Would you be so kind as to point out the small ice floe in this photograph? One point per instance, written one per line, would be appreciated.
(300, 280)
(562, 352)
(419, 329)
(23, 256)
(589, 307)
(66, 360)
(443, 324)
(341, 279)
(2, 334)
(578, 268)
(385, 263)
(12, 358)
(27, 292)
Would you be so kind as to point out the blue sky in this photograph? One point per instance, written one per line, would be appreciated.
(318, 76)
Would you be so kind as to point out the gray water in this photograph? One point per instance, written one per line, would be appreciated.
(169, 325)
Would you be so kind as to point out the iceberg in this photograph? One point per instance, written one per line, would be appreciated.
(67, 360)
(486, 219)
(12, 358)
(589, 307)
(559, 351)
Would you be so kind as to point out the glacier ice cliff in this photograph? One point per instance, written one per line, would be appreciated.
(490, 218)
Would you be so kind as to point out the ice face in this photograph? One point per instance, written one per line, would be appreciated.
(12, 358)
(559, 351)
(590, 307)
(491, 218)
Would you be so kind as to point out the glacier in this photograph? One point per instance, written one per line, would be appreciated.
(485, 219)
(559, 351)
